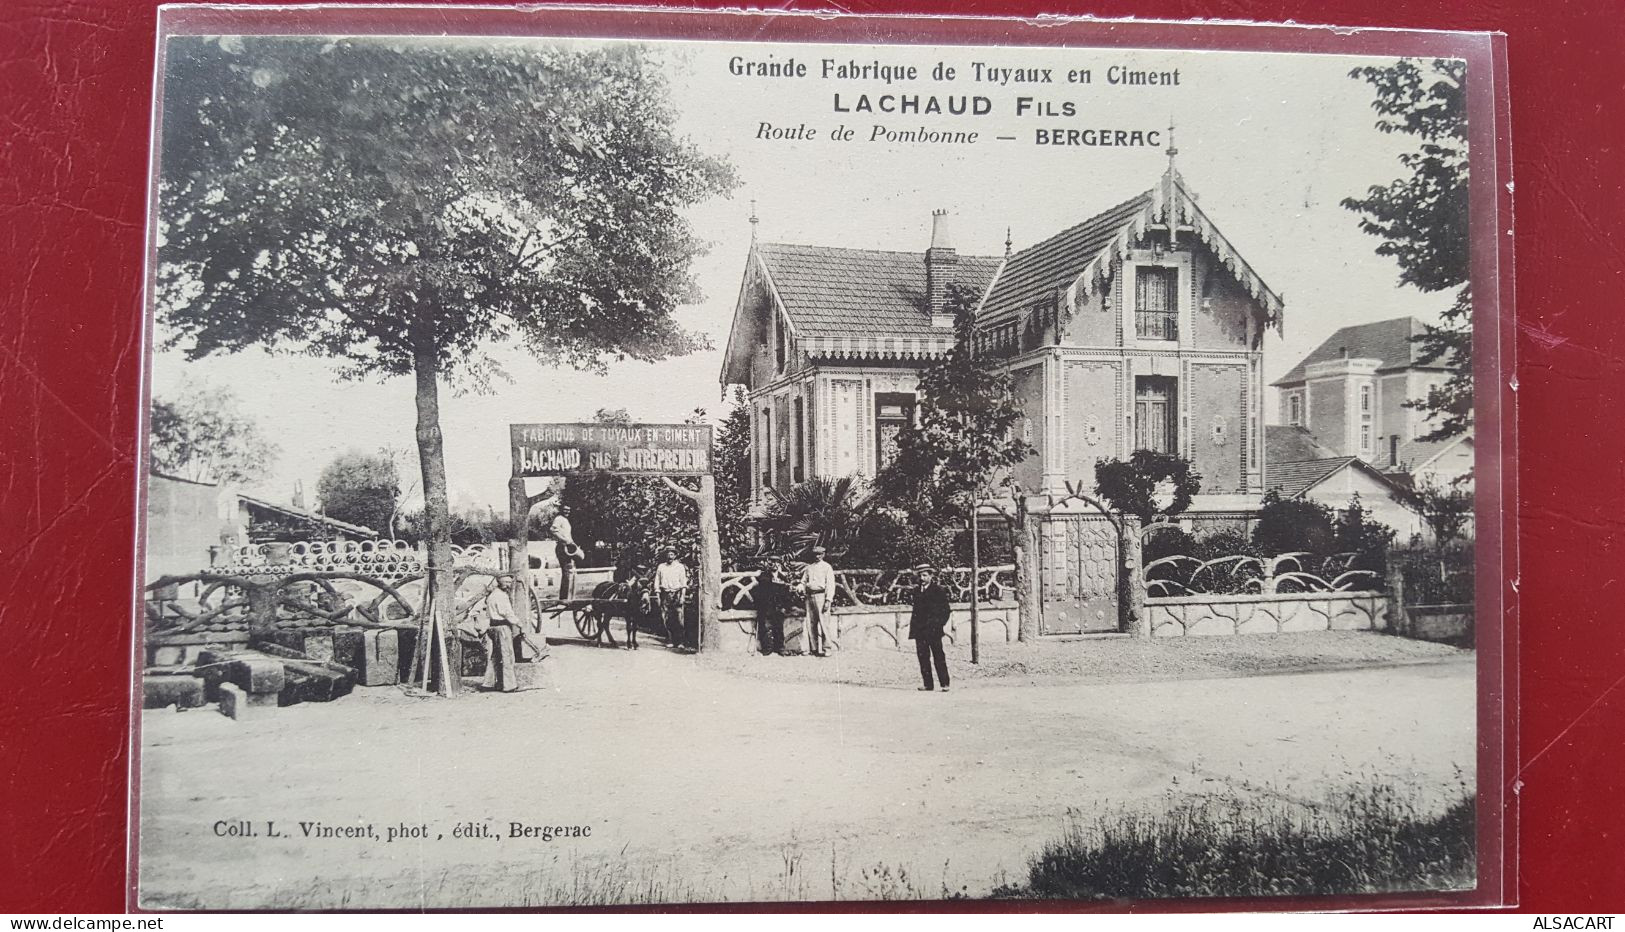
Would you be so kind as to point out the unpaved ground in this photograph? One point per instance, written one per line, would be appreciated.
(699, 783)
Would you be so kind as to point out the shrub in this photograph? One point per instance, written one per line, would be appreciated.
(1166, 542)
(887, 539)
(1290, 525)
(1131, 487)
(1355, 532)
(1437, 576)
(1369, 839)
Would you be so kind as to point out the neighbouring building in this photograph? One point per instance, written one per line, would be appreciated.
(194, 525)
(1351, 394)
(1299, 466)
(1140, 327)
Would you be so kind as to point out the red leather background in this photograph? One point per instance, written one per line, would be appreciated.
(75, 87)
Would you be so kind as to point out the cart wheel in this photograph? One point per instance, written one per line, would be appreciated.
(587, 622)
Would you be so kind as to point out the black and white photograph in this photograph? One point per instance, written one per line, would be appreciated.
(597, 472)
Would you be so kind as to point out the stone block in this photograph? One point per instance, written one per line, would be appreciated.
(319, 645)
(182, 691)
(234, 702)
(373, 653)
(258, 675)
(313, 682)
(213, 664)
(168, 656)
(534, 675)
(312, 643)
(406, 640)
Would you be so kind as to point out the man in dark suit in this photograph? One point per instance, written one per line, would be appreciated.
(926, 625)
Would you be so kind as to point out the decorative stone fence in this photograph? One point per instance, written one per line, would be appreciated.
(872, 608)
(1197, 615)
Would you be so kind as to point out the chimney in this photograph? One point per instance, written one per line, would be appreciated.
(940, 260)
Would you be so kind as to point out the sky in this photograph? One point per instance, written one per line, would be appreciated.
(1270, 144)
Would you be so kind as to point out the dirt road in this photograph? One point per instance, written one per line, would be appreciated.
(699, 784)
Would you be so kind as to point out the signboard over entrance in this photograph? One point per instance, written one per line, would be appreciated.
(620, 449)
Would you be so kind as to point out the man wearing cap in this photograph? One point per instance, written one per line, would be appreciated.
(926, 624)
(504, 628)
(818, 582)
(671, 585)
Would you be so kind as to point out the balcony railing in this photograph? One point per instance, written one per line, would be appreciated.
(1156, 325)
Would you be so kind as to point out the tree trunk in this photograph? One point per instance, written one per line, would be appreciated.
(520, 504)
(437, 518)
(975, 582)
(709, 595)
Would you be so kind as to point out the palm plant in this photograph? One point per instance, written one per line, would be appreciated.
(820, 511)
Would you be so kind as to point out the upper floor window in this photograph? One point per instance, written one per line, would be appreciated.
(1156, 302)
(1367, 429)
(1294, 409)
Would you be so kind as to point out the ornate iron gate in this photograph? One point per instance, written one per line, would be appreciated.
(1079, 575)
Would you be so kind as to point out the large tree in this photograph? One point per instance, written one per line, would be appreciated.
(361, 488)
(201, 434)
(401, 204)
(964, 441)
(1421, 217)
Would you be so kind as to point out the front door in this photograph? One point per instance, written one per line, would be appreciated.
(1078, 576)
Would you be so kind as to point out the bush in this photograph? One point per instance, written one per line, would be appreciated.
(1355, 532)
(1437, 576)
(1168, 541)
(1291, 525)
(887, 540)
(1369, 839)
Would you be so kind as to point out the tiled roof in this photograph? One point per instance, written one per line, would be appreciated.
(302, 515)
(1294, 479)
(1288, 444)
(832, 292)
(1034, 273)
(1415, 453)
(1387, 340)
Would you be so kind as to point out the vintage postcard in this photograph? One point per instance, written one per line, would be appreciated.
(606, 460)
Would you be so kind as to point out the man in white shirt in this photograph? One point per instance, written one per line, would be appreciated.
(565, 549)
(818, 582)
(671, 586)
(504, 627)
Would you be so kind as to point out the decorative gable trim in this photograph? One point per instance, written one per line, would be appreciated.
(1171, 205)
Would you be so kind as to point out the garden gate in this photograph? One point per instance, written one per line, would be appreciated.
(1079, 575)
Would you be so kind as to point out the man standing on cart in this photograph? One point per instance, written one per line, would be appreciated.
(565, 549)
(671, 588)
